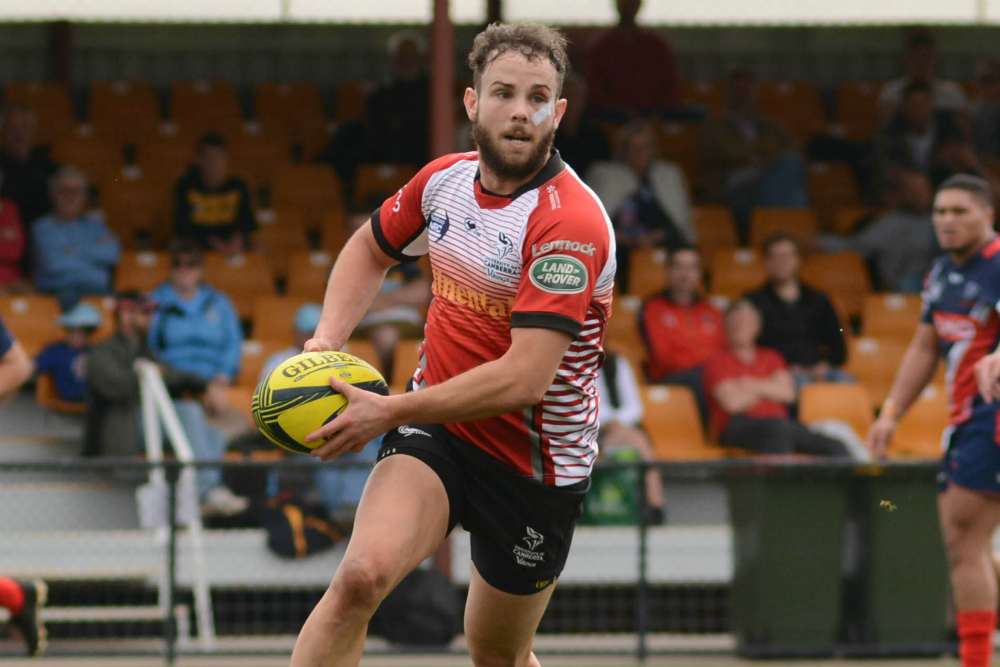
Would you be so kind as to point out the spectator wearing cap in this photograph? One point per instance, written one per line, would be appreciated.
(750, 160)
(339, 487)
(645, 196)
(211, 204)
(66, 360)
(196, 329)
(112, 423)
(631, 70)
(13, 242)
(920, 61)
(74, 251)
(27, 168)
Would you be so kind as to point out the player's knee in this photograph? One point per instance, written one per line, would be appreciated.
(959, 540)
(361, 583)
(487, 657)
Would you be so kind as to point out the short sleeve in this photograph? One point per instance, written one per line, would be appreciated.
(399, 225)
(567, 260)
(6, 339)
(713, 372)
(773, 361)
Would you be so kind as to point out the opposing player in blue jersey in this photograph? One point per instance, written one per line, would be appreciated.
(960, 322)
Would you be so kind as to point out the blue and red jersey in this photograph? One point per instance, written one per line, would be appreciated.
(961, 301)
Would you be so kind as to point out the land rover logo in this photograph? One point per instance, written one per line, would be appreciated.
(559, 274)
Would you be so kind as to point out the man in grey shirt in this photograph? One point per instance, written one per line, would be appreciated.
(899, 242)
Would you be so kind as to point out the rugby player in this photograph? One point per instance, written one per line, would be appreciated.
(960, 323)
(499, 433)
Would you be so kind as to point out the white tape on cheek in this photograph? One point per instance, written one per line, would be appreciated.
(539, 116)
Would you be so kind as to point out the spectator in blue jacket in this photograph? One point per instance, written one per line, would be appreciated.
(66, 360)
(74, 252)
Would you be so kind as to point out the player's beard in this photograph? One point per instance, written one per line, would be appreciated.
(491, 154)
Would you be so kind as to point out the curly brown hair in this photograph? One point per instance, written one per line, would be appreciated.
(532, 40)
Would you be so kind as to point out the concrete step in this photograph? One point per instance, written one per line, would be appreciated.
(64, 505)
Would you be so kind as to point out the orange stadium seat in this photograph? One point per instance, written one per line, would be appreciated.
(95, 155)
(832, 186)
(313, 189)
(766, 221)
(308, 273)
(47, 397)
(874, 361)
(363, 349)
(199, 106)
(846, 219)
(380, 180)
(623, 335)
(292, 105)
(167, 156)
(709, 94)
(647, 271)
(51, 103)
(32, 320)
(273, 316)
(332, 235)
(674, 425)
(141, 271)
(846, 402)
(919, 431)
(279, 235)
(129, 109)
(137, 206)
(254, 353)
(242, 278)
(857, 108)
(405, 360)
(714, 229)
(796, 103)
(350, 100)
(678, 143)
(737, 271)
(844, 274)
(893, 316)
(256, 156)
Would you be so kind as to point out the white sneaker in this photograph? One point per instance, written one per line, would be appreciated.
(220, 501)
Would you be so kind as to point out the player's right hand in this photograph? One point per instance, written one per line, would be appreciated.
(879, 436)
(319, 345)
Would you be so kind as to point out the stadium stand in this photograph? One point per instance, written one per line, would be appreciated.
(846, 402)
(843, 274)
(919, 433)
(32, 319)
(243, 278)
(647, 271)
(200, 106)
(735, 272)
(765, 222)
(51, 103)
(280, 236)
(126, 109)
(142, 270)
(674, 425)
(894, 316)
(714, 229)
(273, 316)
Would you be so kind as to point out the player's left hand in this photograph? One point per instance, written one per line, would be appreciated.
(987, 374)
(364, 419)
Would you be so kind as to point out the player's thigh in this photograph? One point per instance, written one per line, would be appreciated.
(401, 520)
(968, 517)
(500, 627)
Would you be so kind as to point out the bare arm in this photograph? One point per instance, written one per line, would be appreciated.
(735, 396)
(15, 369)
(353, 284)
(915, 371)
(779, 388)
(517, 380)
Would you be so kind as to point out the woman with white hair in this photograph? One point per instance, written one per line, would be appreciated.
(74, 252)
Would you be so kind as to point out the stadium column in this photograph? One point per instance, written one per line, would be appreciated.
(442, 116)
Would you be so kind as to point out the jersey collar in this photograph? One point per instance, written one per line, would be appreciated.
(487, 199)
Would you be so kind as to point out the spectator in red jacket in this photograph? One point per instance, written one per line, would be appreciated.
(681, 329)
(749, 390)
(631, 71)
(12, 245)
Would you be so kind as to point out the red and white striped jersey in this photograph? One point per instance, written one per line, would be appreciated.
(541, 257)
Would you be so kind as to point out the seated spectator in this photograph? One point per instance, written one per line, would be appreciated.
(985, 110)
(74, 252)
(580, 141)
(196, 330)
(26, 168)
(749, 160)
(916, 134)
(920, 60)
(396, 126)
(339, 488)
(212, 205)
(798, 321)
(112, 422)
(631, 71)
(899, 243)
(13, 242)
(620, 415)
(749, 392)
(395, 313)
(646, 197)
(680, 329)
(66, 360)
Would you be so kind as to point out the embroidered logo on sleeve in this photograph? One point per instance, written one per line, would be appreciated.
(559, 274)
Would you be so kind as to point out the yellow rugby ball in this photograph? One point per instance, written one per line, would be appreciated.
(296, 398)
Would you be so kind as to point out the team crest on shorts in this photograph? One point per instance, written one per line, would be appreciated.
(529, 557)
